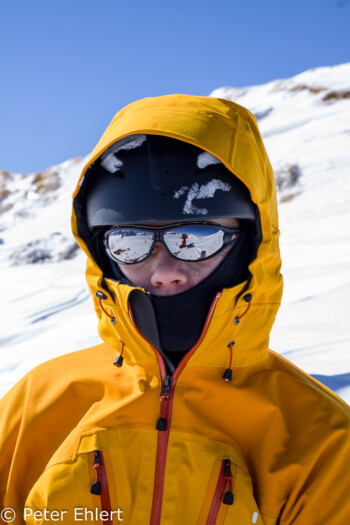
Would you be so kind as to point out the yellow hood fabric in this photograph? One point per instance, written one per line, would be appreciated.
(269, 447)
(229, 132)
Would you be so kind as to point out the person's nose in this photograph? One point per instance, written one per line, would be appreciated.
(167, 272)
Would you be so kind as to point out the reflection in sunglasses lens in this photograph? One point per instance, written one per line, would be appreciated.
(187, 243)
(130, 246)
(194, 243)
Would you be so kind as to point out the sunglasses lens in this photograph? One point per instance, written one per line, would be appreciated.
(129, 246)
(194, 243)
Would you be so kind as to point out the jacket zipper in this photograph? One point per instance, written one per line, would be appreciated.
(100, 486)
(166, 406)
(225, 478)
(164, 397)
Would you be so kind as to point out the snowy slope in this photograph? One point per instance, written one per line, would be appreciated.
(305, 124)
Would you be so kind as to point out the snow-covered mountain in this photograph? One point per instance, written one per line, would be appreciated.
(46, 309)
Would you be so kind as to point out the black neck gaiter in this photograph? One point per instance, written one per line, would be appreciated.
(181, 317)
(174, 323)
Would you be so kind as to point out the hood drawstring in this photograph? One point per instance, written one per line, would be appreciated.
(118, 361)
(248, 299)
(227, 376)
(100, 295)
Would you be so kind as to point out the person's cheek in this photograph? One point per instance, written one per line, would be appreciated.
(141, 276)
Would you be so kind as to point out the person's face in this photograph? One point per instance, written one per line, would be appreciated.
(162, 274)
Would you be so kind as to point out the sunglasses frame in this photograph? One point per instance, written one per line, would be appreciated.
(159, 232)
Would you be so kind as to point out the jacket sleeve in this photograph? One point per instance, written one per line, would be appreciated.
(27, 440)
(320, 483)
(36, 416)
(17, 465)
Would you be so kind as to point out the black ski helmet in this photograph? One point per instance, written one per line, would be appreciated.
(154, 178)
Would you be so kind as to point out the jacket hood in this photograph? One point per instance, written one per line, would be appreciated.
(229, 132)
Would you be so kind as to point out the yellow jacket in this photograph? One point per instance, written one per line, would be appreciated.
(269, 447)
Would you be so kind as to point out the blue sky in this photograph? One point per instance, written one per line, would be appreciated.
(68, 66)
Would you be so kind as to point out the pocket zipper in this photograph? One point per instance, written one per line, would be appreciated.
(220, 496)
(100, 486)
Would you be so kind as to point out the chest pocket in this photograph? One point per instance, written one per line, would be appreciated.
(79, 491)
(229, 497)
(108, 479)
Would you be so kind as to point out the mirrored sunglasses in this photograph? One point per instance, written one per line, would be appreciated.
(191, 242)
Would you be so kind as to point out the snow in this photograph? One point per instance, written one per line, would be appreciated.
(205, 191)
(134, 248)
(110, 162)
(47, 310)
(206, 159)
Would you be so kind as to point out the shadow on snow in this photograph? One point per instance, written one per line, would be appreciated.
(335, 382)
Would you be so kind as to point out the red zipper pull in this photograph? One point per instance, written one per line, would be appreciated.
(228, 496)
(164, 396)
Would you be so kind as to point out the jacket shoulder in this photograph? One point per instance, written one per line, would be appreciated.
(91, 356)
(61, 372)
(304, 386)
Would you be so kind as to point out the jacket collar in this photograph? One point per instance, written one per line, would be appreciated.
(250, 335)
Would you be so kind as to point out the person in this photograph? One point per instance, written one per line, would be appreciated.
(183, 414)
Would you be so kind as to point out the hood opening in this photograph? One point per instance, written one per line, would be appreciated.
(228, 132)
(93, 239)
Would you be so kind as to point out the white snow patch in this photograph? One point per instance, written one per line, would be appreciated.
(205, 191)
(108, 159)
(206, 159)
(111, 163)
(180, 192)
